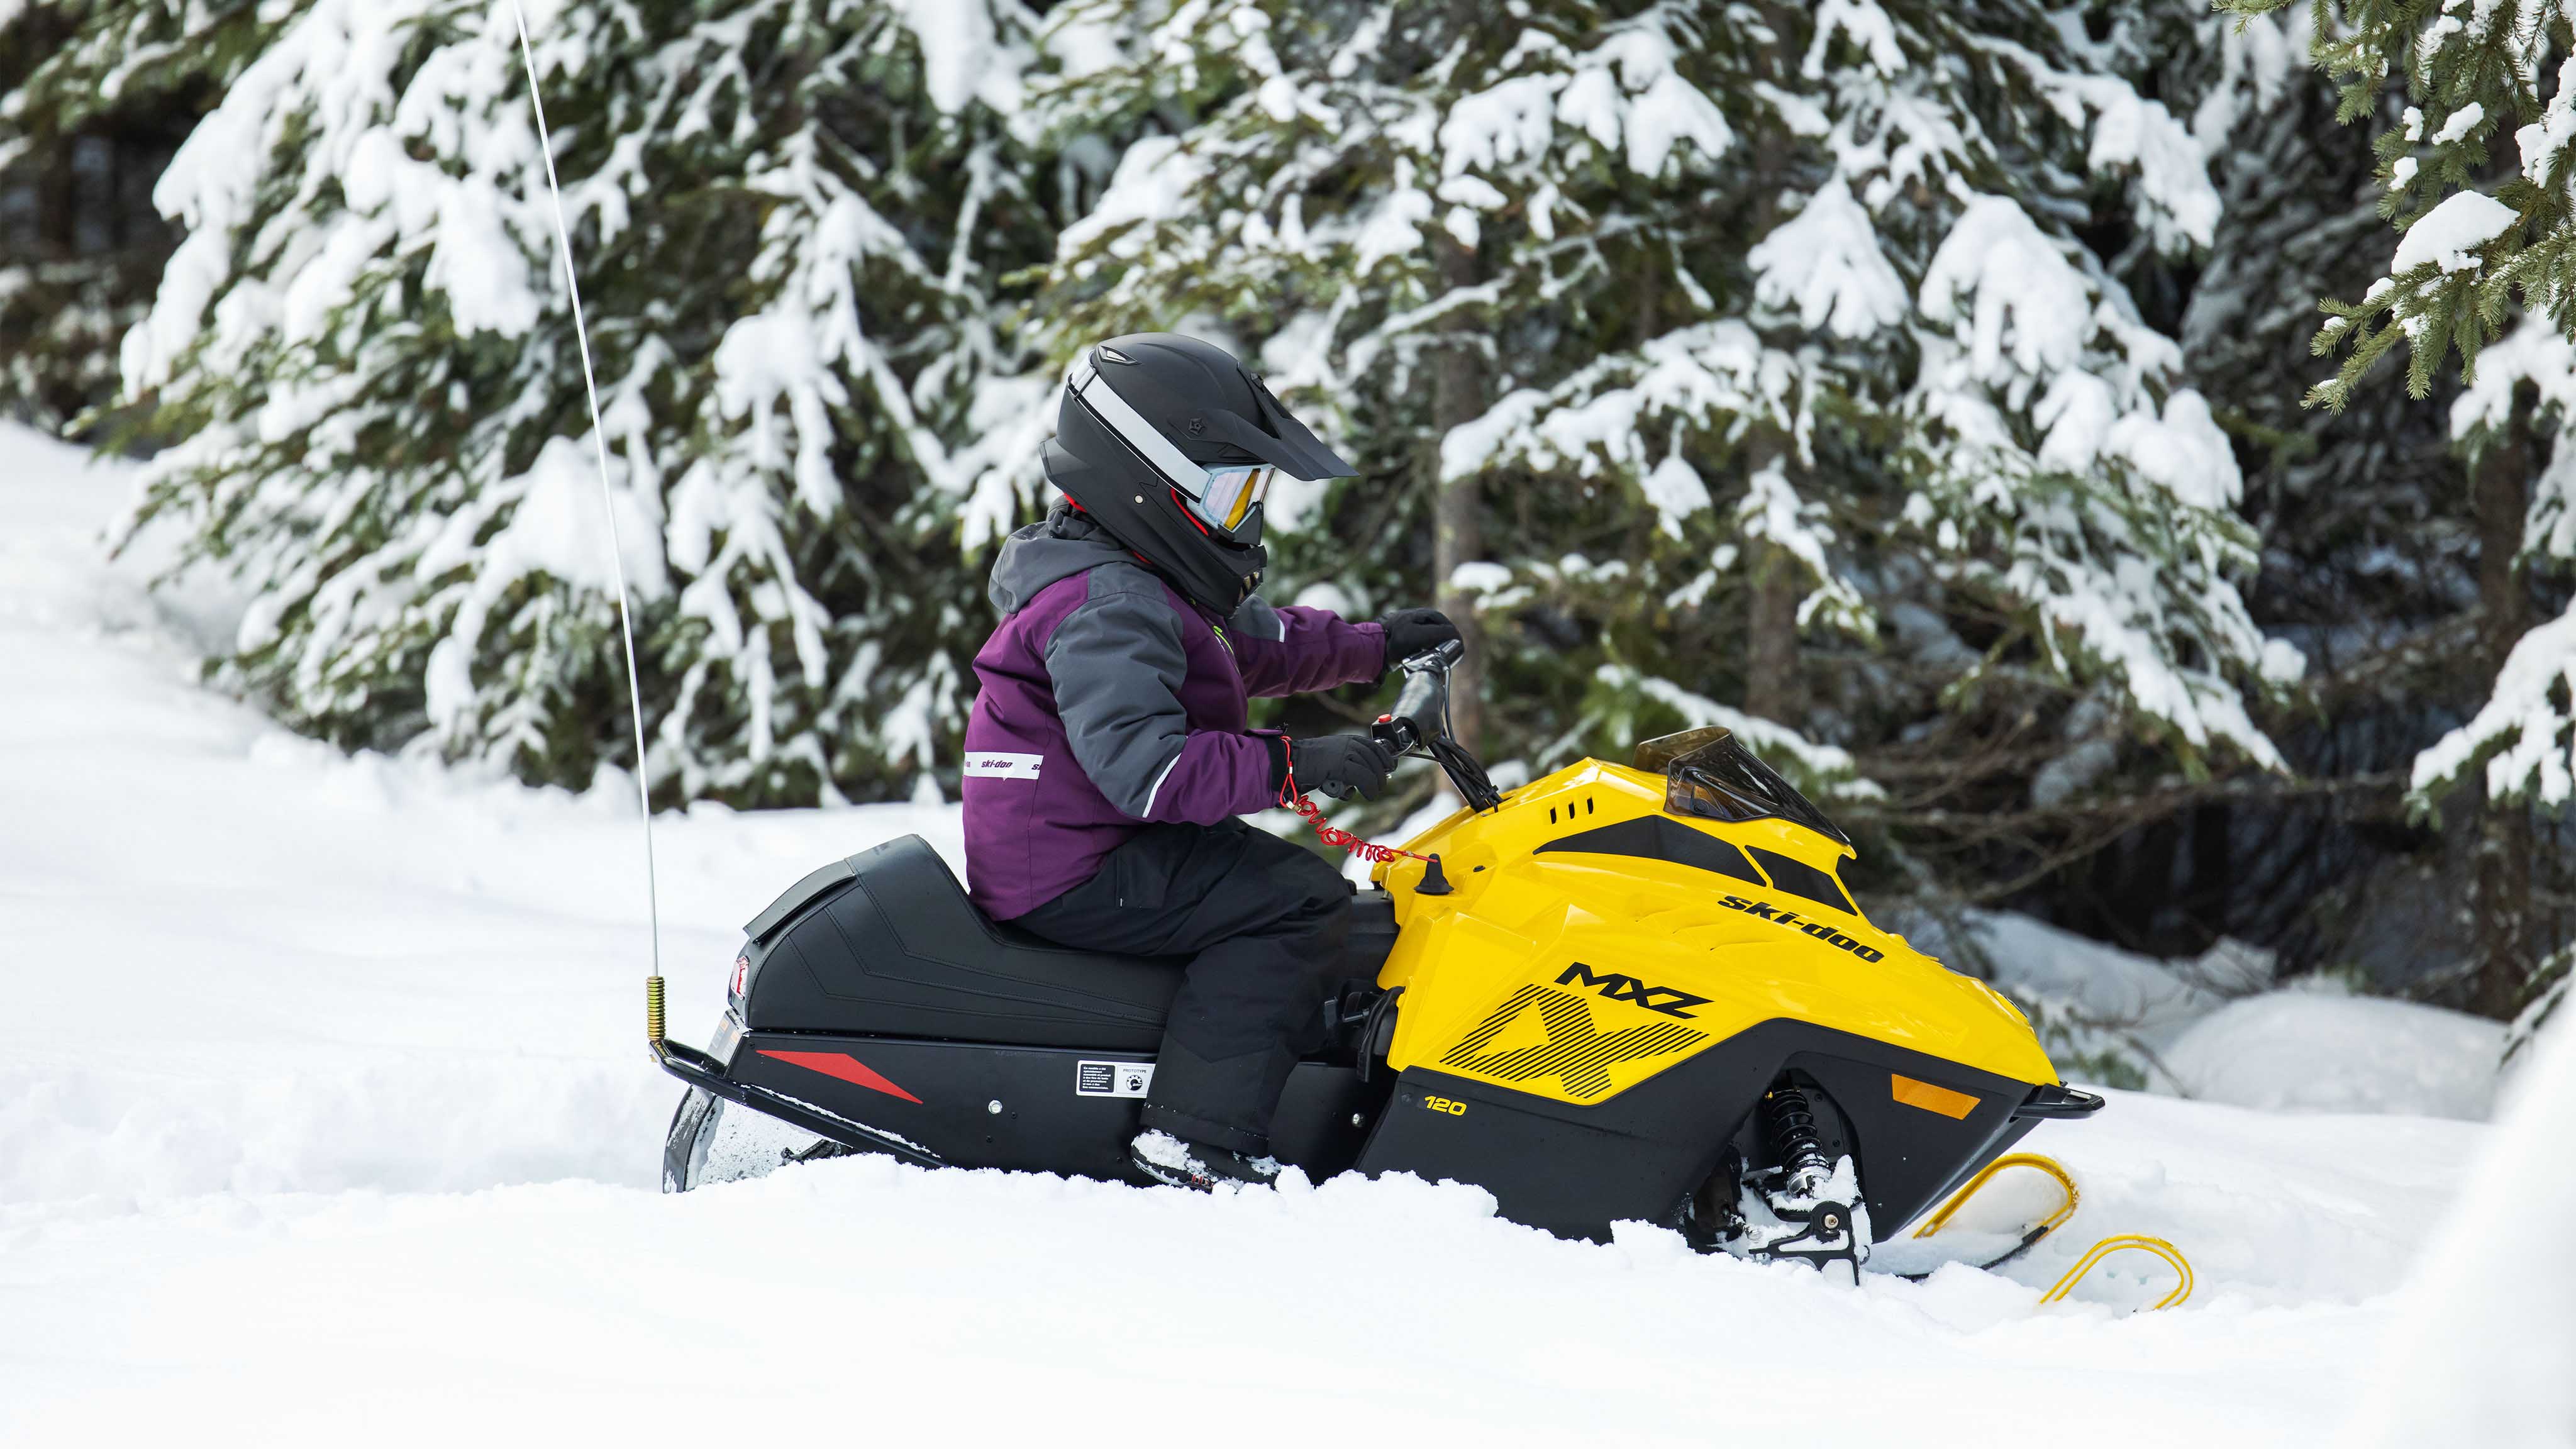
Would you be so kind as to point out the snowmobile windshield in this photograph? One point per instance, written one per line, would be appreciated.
(1709, 773)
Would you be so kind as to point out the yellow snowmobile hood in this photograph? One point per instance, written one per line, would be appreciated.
(1591, 939)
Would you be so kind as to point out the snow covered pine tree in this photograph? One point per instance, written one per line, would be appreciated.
(1726, 322)
(92, 102)
(2485, 268)
(789, 220)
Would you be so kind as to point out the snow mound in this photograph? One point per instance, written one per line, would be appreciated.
(242, 962)
(2203, 1027)
(2481, 1344)
(2321, 1051)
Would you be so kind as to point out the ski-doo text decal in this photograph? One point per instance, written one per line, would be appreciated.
(1628, 988)
(1576, 1053)
(1783, 916)
(1003, 765)
(844, 1066)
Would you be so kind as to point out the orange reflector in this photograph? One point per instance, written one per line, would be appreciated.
(1929, 1097)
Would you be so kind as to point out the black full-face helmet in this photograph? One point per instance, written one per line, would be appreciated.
(1169, 444)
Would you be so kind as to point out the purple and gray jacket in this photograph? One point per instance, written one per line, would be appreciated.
(1109, 703)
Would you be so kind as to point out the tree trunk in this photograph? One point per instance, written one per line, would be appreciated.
(2501, 895)
(57, 205)
(1458, 518)
(1771, 617)
(1773, 576)
(1771, 635)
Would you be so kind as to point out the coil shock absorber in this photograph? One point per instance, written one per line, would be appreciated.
(1791, 1121)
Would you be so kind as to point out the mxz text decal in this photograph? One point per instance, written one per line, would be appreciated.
(1628, 988)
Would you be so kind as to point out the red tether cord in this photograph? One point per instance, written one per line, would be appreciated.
(1292, 798)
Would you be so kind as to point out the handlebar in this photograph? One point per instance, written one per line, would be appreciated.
(1419, 723)
(1421, 712)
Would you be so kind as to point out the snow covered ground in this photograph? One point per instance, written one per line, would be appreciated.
(324, 1116)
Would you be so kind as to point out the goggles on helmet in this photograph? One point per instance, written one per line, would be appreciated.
(1231, 494)
(1221, 495)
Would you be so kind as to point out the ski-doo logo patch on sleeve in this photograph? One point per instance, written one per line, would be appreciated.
(1000, 765)
(1112, 1079)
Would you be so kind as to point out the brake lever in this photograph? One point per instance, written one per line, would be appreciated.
(1440, 658)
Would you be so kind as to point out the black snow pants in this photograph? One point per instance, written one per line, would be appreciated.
(1263, 922)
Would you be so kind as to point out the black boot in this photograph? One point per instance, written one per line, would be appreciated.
(1195, 1165)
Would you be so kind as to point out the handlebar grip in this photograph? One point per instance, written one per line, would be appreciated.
(1421, 694)
(1423, 702)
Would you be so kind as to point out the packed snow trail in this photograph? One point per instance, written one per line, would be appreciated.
(324, 1117)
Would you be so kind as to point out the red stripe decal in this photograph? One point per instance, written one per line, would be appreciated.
(844, 1066)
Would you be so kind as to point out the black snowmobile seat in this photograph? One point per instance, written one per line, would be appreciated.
(886, 943)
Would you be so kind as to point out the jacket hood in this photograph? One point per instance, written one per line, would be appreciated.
(1056, 547)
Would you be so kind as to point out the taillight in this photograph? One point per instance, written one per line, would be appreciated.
(741, 976)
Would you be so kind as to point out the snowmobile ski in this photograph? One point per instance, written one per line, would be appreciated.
(2031, 1236)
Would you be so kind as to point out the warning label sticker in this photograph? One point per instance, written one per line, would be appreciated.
(1112, 1079)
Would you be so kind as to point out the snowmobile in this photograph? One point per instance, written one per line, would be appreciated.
(1634, 992)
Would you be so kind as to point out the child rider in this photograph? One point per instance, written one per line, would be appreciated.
(1109, 753)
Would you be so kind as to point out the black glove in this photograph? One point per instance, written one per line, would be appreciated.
(1410, 631)
(1338, 765)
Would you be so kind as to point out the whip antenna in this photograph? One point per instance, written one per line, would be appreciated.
(616, 545)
